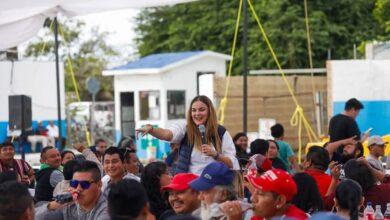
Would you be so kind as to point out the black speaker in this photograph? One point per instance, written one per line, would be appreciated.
(19, 112)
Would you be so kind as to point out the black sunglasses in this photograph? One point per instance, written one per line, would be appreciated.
(83, 183)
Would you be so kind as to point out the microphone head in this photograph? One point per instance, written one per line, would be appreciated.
(202, 128)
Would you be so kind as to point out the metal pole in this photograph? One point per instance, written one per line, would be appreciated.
(197, 82)
(92, 118)
(58, 82)
(245, 64)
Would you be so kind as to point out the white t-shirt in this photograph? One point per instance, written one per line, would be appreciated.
(375, 163)
(198, 160)
(106, 180)
(52, 131)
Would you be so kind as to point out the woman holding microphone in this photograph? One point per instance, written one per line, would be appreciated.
(201, 139)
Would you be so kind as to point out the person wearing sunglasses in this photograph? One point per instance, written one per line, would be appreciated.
(88, 202)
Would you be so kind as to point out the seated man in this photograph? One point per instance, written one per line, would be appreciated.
(99, 148)
(377, 149)
(88, 201)
(274, 192)
(316, 164)
(183, 199)
(49, 174)
(9, 163)
(343, 150)
(215, 187)
(127, 199)
(114, 167)
(39, 134)
(16, 202)
(131, 162)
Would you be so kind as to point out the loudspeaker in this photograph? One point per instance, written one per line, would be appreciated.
(19, 112)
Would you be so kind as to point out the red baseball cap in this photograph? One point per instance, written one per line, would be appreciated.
(180, 182)
(275, 180)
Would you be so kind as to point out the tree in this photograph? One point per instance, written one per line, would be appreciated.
(209, 25)
(88, 57)
(382, 14)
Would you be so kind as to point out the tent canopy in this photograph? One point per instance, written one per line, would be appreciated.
(22, 19)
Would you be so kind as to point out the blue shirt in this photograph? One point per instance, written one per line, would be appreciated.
(285, 151)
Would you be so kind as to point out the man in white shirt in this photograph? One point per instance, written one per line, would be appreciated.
(376, 145)
(114, 167)
(52, 133)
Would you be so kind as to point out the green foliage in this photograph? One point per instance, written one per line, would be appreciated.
(88, 58)
(382, 14)
(209, 25)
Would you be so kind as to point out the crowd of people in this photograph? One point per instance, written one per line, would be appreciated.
(208, 175)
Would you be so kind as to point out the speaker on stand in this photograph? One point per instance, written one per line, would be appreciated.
(20, 117)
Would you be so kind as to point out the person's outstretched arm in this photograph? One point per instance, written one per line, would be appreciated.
(160, 133)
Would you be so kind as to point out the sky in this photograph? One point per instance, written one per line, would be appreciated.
(119, 24)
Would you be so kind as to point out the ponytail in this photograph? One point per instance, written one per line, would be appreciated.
(348, 195)
(353, 203)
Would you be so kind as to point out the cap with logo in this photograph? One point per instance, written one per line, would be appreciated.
(275, 180)
(214, 174)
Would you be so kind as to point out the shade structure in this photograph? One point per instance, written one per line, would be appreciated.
(21, 19)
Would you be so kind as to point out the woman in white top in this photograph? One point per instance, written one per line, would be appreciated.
(193, 155)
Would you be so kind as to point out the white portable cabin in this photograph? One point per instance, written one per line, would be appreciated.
(157, 89)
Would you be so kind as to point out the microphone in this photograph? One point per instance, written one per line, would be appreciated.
(202, 130)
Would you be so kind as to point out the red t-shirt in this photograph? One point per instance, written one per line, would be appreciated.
(322, 179)
(291, 213)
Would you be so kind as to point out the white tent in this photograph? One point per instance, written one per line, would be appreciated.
(21, 19)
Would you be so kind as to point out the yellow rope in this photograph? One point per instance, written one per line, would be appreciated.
(313, 88)
(44, 42)
(298, 116)
(224, 100)
(69, 60)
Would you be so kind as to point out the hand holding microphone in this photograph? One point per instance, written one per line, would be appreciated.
(206, 149)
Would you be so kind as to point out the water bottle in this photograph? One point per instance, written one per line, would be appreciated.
(378, 213)
(369, 212)
(387, 213)
(245, 205)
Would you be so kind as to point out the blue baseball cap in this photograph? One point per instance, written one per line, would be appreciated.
(214, 174)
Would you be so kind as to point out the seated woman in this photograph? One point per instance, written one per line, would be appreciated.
(241, 143)
(154, 176)
(273, 153)
(308, 197)
(66, 156)
(348, 199)
(201, 139)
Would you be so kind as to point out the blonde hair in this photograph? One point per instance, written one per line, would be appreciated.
(238, 184)
(194, 136)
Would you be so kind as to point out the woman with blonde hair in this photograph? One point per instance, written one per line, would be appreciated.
(197, 150)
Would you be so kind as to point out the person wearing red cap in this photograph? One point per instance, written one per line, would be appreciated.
(182, 198)
(274, 191)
